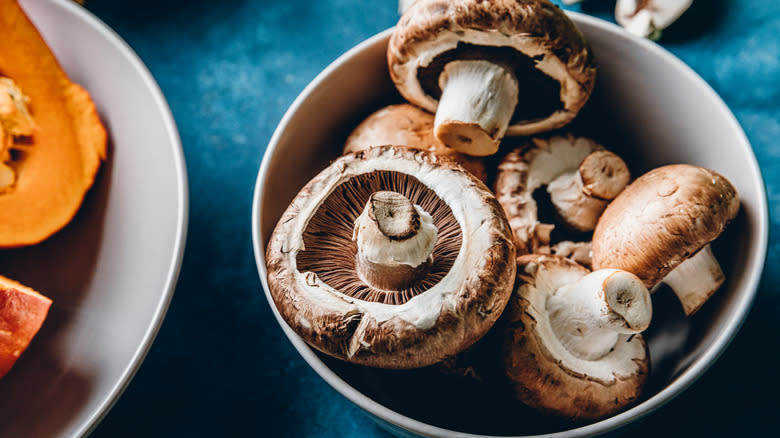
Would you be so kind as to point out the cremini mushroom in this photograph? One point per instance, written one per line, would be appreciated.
(579, 174)
(571, 345)
(647, 18)
(490, 68)
(391, 257)
(660, 228)
(408, 125)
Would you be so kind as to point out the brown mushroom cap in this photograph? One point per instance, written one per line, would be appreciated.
(534, 38)
(661, 219)
(408, 125)
(544, 374)
(311, 262)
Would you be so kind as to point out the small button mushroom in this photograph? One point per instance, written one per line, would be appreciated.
(660, 228)
(490, 69)
(391, 257)
(572, 346)
(647, 18)
(408, 125)
(580, 176)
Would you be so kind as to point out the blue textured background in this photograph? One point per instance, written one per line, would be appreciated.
(221, 366)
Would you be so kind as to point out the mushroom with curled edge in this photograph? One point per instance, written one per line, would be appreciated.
(408, 125)
(391, 257)
(490, 68)
(580, 176)
(572, 346)
(660, 228)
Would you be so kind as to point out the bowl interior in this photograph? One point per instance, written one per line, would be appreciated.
(649, 108)
(112, 270)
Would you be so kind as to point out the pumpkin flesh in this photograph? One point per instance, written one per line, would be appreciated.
(58, 163)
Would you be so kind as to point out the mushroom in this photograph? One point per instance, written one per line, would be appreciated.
(581, 178)
(391, 257)
(408, 125)
(660, 228)
(647, 18)
(572, 346)
(489, 69)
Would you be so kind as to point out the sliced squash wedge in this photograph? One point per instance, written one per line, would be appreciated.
(57, 164)
(22, 312)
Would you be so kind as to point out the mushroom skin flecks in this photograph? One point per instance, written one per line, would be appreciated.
(664, 221)
(313, 279)
(489, 69)
(580, 177)
(571, 347)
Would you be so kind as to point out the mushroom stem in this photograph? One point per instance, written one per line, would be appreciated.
(581, 196)
(588, 315)
(477, 102)
(695, 279)
(395, 241)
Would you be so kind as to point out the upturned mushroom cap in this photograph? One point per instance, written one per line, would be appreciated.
(544, 373)
(534, 39)
(663, 218)
(408, 125)
(579, 174)
(312, 274)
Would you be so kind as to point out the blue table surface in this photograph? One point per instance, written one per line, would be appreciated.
(221, 366)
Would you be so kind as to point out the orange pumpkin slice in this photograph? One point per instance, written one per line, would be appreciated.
(57, 164)
(22, 312)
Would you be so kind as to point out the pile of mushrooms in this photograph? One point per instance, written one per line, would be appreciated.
(397, 255)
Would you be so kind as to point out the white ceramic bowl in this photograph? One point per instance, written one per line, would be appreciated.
(648, 107)
(112, 271)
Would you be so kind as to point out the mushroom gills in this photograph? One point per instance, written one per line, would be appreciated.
(540, 90)
(696, 279)
(331, 254)
(588, 315)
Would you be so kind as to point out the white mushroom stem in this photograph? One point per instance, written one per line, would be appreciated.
(647, 18)
(395, 241)
(581, 196)
(477, 102)
(695, 279)
(589, 315)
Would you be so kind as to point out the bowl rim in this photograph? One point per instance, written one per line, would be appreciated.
(695, 370)
(182, 209)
